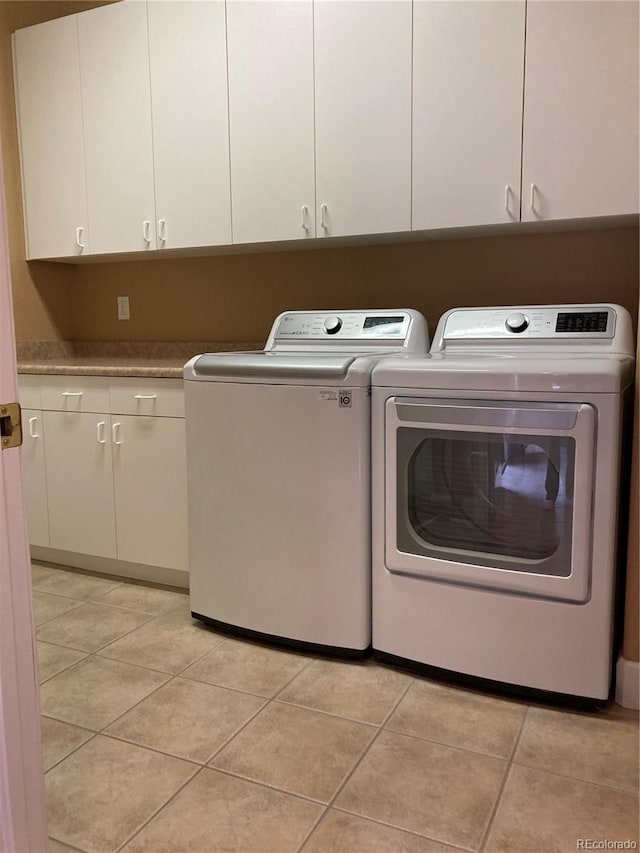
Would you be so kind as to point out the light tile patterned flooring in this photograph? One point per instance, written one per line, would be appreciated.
(162, 736)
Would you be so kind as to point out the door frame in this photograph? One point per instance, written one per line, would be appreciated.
(23, 817)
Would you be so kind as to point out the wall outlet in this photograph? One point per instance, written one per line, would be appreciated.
(123, 307)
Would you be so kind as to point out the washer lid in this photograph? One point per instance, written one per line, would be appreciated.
(507, 372)
(270, 365)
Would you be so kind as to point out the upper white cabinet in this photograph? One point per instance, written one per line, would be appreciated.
(580, 138)
(116, 104)
(47, 76)
(363, 116)
(270, 46)
(188, 64)
(467, 112)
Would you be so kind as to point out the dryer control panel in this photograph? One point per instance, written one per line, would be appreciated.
(535, 321)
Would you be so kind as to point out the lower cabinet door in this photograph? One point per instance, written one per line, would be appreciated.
(80, 482)
(34, 477)
(150, 490)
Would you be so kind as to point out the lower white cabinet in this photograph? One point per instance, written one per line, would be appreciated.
(80, 483)
(34, 476)
(150, 482)
(109, 483)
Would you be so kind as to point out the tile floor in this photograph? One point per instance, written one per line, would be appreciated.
(162, 736)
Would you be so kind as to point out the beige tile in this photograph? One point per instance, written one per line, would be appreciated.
(187, 719)
(167, 643)
(42, 573)
(458, 718)
(57, 847)
(144, 599)
(222, 813)
(90, 626)
(339, 832)
(59, 739)
(247, 666)
(103, 793)
(55, 659)
(300, 751)
(94, 692)
(77, 586)
(444, 793)
(604, 751)
(361, 691)
(46, 606)
(543, 812)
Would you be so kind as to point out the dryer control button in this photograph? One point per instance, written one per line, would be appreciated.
(517, 322)
(332, 325)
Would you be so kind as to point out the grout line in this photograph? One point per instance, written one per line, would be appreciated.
(494, 810)
(399, 828)
(75, 749)
(348, 776)
(632, 791)
(71, 847)
(154, 749)
(158, 810)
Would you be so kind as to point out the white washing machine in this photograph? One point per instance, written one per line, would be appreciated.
(279, 477)
(496, 483)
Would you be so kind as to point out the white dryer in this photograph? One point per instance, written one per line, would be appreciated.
(496, 485)
(279, 477)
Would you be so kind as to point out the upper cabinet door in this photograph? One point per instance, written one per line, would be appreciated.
(580, 144)
(116, 103)
(468, 66)
(270, 45)
(363, 116)
(47, 75)
(190, 122)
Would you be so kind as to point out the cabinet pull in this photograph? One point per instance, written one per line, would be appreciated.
(507, 190)
(145, 396)
(146, 231)
(100, 432)
(162, 230)
(32, 430)
(323, 217)
(305, 211)
(72, 393)
(532, 197)
(115, 434)
(79, 236)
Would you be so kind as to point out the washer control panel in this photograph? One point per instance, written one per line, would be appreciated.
(531, 322)
(363, 326)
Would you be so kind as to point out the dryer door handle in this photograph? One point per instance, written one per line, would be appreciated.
(468, 413)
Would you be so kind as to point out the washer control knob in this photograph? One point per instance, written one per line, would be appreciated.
(517, 322)
(332, 325)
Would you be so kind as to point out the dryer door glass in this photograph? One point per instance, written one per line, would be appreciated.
(493, 495)
(481, 488)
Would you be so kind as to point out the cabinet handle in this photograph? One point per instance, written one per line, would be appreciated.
(532, 197)
(162, 230)
(72, 393)
(507, 190)
(32, 430)
(145, 396)
(146, 231)
(100, 432)
(323, 217)
(115, 434)
(305, 211)
(79, 236)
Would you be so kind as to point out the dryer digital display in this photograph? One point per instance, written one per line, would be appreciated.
(584, 321)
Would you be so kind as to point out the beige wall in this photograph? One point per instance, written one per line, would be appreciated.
(236, 297)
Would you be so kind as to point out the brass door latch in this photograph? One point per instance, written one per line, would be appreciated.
(10, 425)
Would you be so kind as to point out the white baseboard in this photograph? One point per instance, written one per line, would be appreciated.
(628, 683)
(114, 568)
